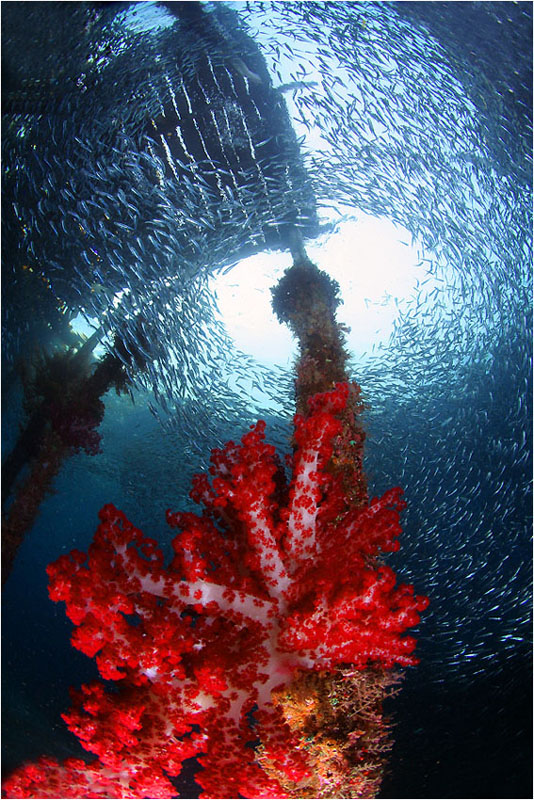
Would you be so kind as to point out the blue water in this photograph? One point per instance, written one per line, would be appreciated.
(417, 112)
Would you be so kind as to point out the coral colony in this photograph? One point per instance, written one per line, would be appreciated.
(266, 647)
(62, 400)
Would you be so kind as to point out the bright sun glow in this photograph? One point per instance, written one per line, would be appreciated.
(371, 259)
(374, 264)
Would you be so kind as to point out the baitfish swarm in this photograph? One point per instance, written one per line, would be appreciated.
(259, 649)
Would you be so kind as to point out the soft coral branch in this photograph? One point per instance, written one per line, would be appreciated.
(272, 580)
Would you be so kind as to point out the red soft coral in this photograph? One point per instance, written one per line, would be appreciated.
(271, 579)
